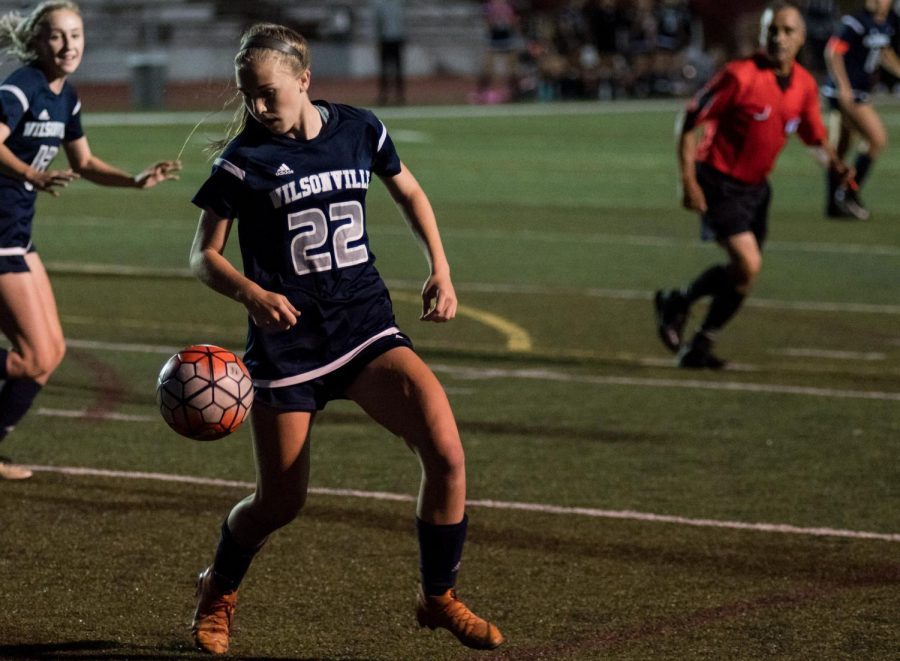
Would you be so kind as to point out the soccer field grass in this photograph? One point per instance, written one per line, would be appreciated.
(621, 508)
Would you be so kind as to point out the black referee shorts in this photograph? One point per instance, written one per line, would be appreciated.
(732, 206)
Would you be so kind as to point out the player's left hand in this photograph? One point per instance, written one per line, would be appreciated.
(438, 299)
(161, 171)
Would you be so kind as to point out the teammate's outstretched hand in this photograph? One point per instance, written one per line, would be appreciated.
(161, 171)
(438, 299)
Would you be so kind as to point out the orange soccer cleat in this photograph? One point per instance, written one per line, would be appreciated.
(448, 612)
(214, 615)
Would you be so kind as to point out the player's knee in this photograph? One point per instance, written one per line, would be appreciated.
(57, 355)
(446, 463)
(746, 273)
(273, 513)
(39, 365)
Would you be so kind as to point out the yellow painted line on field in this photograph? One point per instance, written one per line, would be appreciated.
(517, 338)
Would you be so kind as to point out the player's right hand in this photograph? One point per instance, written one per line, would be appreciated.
(51, 181)
(693, 198)
(271, 312)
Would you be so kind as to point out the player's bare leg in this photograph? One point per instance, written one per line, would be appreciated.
(401, 393)
(30, 320)
(281, 445)
(862, 120)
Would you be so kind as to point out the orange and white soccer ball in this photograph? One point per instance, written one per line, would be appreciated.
(204, 392)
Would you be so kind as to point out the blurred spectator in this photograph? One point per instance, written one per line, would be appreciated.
(641, 46)
(821, 20)
(390, 29)
(607, 25)
(673, 36)
(593, 49)
(503, 45)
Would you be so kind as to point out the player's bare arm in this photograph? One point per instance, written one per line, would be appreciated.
(268, 310)
(439, 301)
(96, 170)
(692, 197)
(838, 70)
(49, 181)
(891, 61)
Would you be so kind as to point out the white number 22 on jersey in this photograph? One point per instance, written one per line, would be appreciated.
(313, 225)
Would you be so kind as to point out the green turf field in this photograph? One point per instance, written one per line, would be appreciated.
(622, 509)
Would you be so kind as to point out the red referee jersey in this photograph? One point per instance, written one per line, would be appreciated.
(749, 117)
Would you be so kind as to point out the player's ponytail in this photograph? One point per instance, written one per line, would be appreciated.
(260, 42)
(18, 33)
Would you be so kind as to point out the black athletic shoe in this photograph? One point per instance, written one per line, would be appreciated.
(671, 313)
(848, 203)
(697, 354)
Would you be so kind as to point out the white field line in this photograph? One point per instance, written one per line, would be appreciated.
(539, 508)
(803, 352)
(478, 373)
(110, 416)
(495, 288)
(532, 374)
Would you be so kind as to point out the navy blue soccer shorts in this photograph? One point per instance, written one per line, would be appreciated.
(12, 260)
(314, 394)
(732, 206)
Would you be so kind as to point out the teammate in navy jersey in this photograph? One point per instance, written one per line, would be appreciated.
(854, 56)
(39, 113)
(750, 109)
(321, 326)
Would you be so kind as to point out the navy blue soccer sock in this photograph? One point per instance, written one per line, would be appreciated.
(232, 560)
(16, 397)
(863, 165)
(440, 553)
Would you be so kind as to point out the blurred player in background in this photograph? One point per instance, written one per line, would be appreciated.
(749, 109)
(503, 45)
(854, 56)
(39, 112)
(390, 30)
(322, 326)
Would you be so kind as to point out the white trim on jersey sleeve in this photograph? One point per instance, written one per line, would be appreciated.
(325, 369)
(230, 167)
(383, 136)
(18, 93)
(853, 23)
(77, 108)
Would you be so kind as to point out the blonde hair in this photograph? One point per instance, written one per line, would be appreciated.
(18, 34)
(259, 43)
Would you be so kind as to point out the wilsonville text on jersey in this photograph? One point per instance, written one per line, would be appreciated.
(323, 182)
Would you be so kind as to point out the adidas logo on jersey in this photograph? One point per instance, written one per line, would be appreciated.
(283, 170)
(44, 116)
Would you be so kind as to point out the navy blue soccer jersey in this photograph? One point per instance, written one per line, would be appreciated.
(40, 121)
(301, 212)
(860, 40)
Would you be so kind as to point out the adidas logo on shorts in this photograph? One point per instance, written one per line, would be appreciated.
(283, 170)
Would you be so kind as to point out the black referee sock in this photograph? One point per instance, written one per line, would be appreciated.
(3, 354)
(722, 308)
(16, 397)
(232, 560)
(709, 283)
(440, 552)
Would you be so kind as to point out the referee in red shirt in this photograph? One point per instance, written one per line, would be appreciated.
(748, 111)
